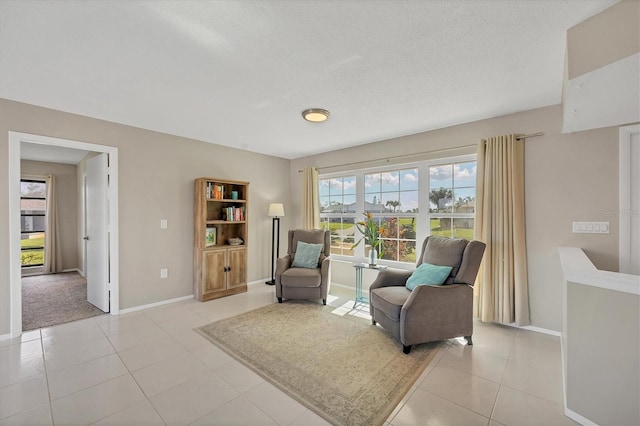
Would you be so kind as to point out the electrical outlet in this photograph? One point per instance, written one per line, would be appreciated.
(163, 223)
(164, 273)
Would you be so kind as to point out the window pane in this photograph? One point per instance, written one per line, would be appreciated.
(32, 257)
(391, 201)
(408, 202)
(440, 177)
(389, 227)
(33, 206)
(464, 174)
(32, 240)
(33, 189)
(389, 250)
(372, 183)
(349, 203)
(409, 180)
(373, 203)
(32, 223)
(350, 185)
(335, 186)
(465, 200)
(463, 228)
(407, 228)
(407, 251)
(390, 181)
(441, 227)
(324, 203)
(323, 186)
(441, 200)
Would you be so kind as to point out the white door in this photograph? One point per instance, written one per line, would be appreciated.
(97, 236)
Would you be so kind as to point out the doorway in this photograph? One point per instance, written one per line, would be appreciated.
(112, 286)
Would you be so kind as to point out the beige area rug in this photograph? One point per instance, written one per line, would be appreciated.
(340, 366)
(53, 299)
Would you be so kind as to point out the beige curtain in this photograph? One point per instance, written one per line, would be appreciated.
(503, 294)
(52, 252)
(310, 199)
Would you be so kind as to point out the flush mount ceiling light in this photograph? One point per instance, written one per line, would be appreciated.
(315, 115)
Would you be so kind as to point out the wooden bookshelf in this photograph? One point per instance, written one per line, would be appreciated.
(220, 218)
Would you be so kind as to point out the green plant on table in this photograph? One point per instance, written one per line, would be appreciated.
(370, 231)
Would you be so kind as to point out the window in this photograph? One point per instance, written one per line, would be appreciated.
(410, 202)
(338, 212)
(392, 198)
(452, 199)
(33, 207)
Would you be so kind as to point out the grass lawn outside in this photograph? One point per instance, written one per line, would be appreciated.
(35, 256)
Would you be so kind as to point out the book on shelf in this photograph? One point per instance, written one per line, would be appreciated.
(210, 236)
(234, 214)
(214, 191)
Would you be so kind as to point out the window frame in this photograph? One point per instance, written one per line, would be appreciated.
(45, 181)
(423, 217)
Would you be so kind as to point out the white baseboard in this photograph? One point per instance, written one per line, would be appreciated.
(5, 337)
(536, 329)
(578, 418)
(153, 305)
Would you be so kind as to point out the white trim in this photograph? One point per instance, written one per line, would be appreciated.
(578, 418)
(15, 291)
(5, 337)
(262, 281)
(536, 329)
(155, 304)
(624, 214)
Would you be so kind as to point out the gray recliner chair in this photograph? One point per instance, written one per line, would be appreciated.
(429, 313)
(304, 283)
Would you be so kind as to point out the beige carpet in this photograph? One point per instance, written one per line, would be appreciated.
(341, 367)
(53, 299)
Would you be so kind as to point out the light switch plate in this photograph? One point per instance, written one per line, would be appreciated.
(163, 223)
(590, 227)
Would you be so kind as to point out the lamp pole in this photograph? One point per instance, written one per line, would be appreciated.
(276, 211)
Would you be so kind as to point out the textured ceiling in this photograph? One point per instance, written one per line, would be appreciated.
(239, 73)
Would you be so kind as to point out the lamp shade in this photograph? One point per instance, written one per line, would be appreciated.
(276, 210)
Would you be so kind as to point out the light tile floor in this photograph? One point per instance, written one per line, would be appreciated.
(150, 368)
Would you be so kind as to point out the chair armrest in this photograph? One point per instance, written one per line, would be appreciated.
(389, 278)
(437, 307)
(324, 271)
(282, 264)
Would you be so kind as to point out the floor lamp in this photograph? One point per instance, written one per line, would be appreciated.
(276, 211)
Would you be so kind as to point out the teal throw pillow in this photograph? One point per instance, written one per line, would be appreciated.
(428, 274)
(307, 255)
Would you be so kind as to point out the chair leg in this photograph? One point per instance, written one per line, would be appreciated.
(406, 349)
(324, 301)
(279, 299)
(469, 341)
(373, 321)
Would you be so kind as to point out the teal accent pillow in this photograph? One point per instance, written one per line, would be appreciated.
(428, 274)
(307, 255)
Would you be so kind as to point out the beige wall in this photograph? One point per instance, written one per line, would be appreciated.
(607, 37)
(66, 201)
(156, 182)
(568, 177)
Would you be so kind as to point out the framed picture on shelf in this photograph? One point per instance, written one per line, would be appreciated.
(210, 236)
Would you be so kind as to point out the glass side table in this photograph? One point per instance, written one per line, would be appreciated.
(359, 268)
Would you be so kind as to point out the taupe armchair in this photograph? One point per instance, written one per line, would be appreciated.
(304, 283)
(429, 313)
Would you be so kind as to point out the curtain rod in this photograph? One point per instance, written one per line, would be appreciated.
(395, 157)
